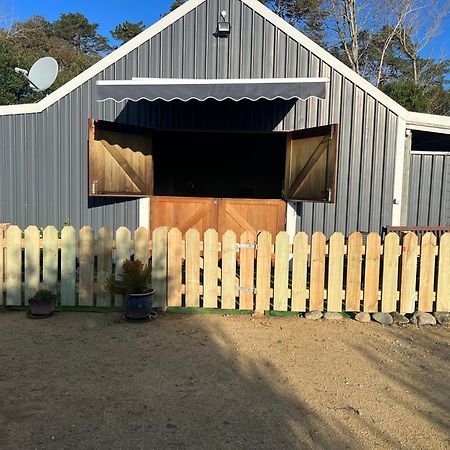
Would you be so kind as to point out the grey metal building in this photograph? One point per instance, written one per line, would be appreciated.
(44, 177)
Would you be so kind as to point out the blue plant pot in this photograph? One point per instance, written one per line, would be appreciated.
(138, 306)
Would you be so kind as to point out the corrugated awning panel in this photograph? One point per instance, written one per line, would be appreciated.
(170, 89)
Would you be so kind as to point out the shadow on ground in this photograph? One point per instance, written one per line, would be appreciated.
(93, 381)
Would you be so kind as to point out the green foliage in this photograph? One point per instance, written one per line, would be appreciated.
(135, 279)
(76, 29)
(43, 295)
(127, 30)
(176, 4)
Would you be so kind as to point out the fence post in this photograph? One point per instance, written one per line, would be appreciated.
(159, 267)
(281, 278)
(335, 273)
(228, 296)
(14, 268)
(389, 290)
(123, 252)
(354, 271)
(32, 261)
(192, 268)
(427, 265)
(86, 286)
(104, 266)
(247, 270)
(210, 269)
(174, 267)
(409, 273)
(263, 271)
(50, 250)
(68, 265)
(299, 272)
(372, 272)
(317, 284)
(443, 287)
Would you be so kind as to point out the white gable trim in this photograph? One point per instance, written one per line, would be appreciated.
(104, 63)
(181, 11)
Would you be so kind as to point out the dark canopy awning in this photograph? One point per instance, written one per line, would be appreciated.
(236, 89)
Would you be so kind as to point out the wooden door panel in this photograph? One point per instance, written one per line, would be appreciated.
(311, 164)
(120, 160)
(252, 215)
(183, 213)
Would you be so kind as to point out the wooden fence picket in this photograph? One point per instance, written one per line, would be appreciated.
(174, 268)
(192, 268)
(317, 283)
(2, 262)
(123, 252)
(210, 268)
(228, 297)
(427, 268)
(264, 271)
(389, 290)
(409, 272)
(354, 267)
(219, 271)
(159, 266)
(104, 266)
(68, 266)
(335, 273)
(299, 272)
(281, 278)
(443, 286)
(50, 259)
(141, 244)
(32, 261)
(246, 270)
(14, 266)
(372, 272)
(86, 286)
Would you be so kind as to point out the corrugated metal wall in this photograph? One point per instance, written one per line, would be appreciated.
(44, 156)
(429, 190)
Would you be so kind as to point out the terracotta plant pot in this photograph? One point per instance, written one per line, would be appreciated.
(138, 306)
(42, 307)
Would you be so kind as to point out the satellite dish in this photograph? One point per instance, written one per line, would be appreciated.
(42, 74)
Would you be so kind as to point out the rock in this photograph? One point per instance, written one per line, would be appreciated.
(423, 318)
(313, 315)
(399, 318)
(383, 318)
(333, 316)
(443, 318)
(363, 317)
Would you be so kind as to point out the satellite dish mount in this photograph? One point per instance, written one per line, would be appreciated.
(42, 74)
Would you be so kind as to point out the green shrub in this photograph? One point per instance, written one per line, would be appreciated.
(135, 279)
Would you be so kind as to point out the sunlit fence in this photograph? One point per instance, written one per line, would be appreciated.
(244, 272)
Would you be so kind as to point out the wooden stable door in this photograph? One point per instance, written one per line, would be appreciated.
(220, 214)
(239, 215)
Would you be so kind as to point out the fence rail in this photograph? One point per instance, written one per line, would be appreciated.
(231, 272)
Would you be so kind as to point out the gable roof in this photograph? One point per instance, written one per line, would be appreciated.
(178, 13)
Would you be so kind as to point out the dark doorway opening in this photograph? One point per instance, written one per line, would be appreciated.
(219, 164)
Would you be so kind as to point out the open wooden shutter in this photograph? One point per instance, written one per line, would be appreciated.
(311, 164)
(120, 160)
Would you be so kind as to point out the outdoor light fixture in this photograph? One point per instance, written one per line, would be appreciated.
(223, 27)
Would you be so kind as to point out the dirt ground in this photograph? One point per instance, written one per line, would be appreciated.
(92, 381)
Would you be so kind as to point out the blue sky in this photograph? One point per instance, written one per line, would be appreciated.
(109, 13)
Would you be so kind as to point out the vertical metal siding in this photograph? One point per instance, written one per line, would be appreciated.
(44, 156)
(429, 190)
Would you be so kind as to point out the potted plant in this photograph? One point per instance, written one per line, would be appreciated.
(42, 304)
(134, 284)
